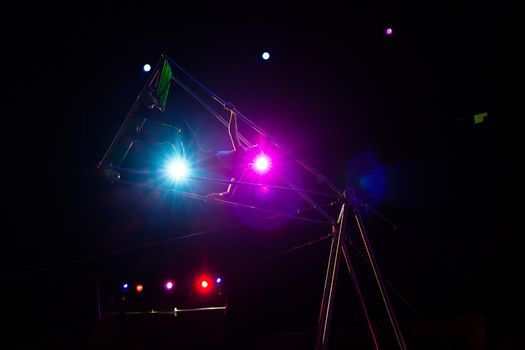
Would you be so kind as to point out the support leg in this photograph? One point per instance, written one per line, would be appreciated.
(325, 315)
(379, 278)
(351, 270)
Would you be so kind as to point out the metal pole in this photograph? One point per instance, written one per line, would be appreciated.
(351, 270)
(379, 279)
(325, 315)
(122, 128)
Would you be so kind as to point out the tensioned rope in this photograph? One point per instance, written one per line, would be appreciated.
(403, 299)
(292, 215)
(126, 250)
(224, 181)
(447, 261)
(131, 113)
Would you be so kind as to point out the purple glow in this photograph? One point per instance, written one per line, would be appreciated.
(125, 286)
(389, 31)
(168, 285)
(264, 193)
(218, 280)
(261, 164)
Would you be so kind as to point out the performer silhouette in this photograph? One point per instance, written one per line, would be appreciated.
(230, 163)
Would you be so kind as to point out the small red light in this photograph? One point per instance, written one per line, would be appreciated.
(203, 284)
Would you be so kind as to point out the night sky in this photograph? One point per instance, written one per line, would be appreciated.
(391, 117)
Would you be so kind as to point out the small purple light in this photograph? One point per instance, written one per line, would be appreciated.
(389, 31)
(125, 286)
(218, 280)
(168, 285)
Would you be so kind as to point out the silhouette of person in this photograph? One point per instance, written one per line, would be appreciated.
(230, 163)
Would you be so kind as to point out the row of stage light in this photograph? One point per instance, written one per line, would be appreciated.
(203, 284)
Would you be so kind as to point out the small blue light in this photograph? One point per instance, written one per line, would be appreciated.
(147, 68)
(125, 286)
(218, 280)
(265, 56)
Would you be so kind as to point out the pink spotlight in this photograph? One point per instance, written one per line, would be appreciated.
(262, 164)
(168, 285)
(389, 31)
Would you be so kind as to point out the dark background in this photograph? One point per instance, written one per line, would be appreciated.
(337, 91)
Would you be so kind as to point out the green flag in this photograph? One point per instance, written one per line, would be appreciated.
(163, 85)
(480, 118)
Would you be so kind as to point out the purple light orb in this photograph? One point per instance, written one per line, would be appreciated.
(389, 31)
(262, 164)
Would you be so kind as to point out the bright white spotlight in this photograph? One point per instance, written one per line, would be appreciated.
(177, 169)
(147, 68)
(261, 164)
(265, 56)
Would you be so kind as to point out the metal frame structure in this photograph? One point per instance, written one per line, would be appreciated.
(339, 238)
